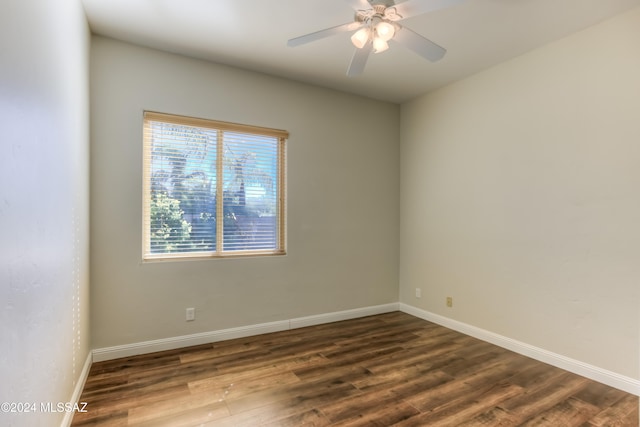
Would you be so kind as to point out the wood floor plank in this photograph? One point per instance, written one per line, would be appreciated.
(385, 370)
(542, 398)
(183, 411)
(310, 418)
(357, 405)
(600, 395)
(494, 417)
(183, 373)
(423, 354)
(407, 389)
(101, 417)
(385, 414)
(235, 388)
(570, 412)
(276, 412)
(405, 381)
(461, 387)
(318, 392)
(476, 402)
(618, 414)
(536, 375)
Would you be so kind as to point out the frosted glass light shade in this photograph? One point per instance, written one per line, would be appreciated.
(385, 31)
(379, 45)
(360, 38)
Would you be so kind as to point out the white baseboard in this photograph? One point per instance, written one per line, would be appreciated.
(630, 385)
(127, 350)
(77, 390)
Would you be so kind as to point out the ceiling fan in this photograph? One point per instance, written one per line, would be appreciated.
(376, 22)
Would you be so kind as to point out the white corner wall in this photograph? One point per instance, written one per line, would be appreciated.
(520, 198)
(44, 206)
(343, 201)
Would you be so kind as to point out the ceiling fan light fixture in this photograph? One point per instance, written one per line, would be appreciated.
(385, 30)
(360, 38)
(379, 45)
(376, 22)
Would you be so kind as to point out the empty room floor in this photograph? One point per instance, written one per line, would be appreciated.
(386, 370)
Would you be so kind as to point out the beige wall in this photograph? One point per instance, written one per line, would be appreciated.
(44, 204)
(343, 202)
(520, 198)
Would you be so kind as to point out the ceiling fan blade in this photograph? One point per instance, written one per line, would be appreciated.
(359, 4)
(359, 60)
(411, 8)
(420, 45)
(324, 33)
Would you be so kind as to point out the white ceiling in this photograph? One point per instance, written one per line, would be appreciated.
(253, 34)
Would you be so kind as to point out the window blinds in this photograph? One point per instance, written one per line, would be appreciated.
(211, 188)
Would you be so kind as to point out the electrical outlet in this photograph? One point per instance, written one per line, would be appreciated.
(418, 293)
(191, 314)
(449, 302)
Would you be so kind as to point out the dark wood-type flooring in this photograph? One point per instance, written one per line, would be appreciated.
(386, 370)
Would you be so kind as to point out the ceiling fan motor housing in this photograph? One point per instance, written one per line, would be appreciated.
(380, 11)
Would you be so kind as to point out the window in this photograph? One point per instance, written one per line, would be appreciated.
(212, 189)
